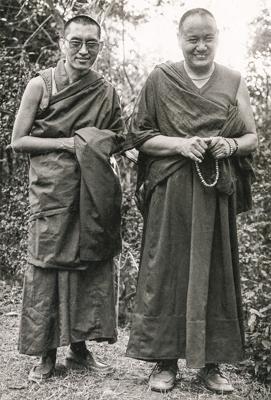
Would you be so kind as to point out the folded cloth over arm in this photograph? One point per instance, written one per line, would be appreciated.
(100, 194)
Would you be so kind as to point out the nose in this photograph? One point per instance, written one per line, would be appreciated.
(83, 49)
(201, 46)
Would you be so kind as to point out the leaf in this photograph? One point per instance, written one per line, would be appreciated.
(252, 322)
(266, 344)
(256, 312)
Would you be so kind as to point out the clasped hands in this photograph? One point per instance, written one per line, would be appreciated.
(219, 147)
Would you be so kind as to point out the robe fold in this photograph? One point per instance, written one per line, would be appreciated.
(188, 301)
(55, 235)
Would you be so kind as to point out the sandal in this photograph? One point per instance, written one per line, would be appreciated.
(45, 369)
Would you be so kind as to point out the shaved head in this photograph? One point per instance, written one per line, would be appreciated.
(81, 20)
(192, 12)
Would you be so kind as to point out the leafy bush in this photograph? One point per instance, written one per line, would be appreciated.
(13, 173)
(255, 255)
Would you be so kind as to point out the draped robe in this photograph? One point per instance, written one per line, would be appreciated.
(188, 301)
(68, 293)
(54, 178)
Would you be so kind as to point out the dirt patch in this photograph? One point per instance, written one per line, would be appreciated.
(129, 380)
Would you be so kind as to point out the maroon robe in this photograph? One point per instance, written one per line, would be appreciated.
(54, 178)
(188, 301)
(68, 292)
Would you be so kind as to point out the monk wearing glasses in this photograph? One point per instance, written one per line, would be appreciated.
(69, 122)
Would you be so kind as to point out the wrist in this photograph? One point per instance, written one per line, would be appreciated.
(232, 146)
(60, 144)
(66, 144)
(236, 146)
(180, 146)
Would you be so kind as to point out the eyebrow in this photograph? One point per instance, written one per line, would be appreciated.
(190, 36)
(87, 40)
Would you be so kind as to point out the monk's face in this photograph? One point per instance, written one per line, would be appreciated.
(80, 46)
(198, 41)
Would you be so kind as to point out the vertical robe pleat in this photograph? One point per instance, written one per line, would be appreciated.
(63, 307)
(186, 303)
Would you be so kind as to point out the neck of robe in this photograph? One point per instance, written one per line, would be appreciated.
(199, 78)
(74, 75)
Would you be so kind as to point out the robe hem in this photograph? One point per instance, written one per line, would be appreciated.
(109, 340)
(181, 356)
(41, 264)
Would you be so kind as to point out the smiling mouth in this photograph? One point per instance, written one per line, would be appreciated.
(83, 59)
(201, 55)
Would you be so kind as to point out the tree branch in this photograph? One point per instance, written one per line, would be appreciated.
(21, 9)
(36, 31)
(123, 49)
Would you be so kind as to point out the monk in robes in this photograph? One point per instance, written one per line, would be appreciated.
(69, 122)
(195, 131)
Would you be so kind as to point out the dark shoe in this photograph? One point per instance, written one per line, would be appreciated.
(44, 369)
(214, 379)
(163, 376)
(85, 360)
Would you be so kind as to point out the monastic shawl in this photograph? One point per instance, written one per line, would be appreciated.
(170, 106)
(56, 239)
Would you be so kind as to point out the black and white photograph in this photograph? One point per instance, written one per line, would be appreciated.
(135, 199)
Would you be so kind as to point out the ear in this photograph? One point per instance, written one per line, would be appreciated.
(179, 38)
(61, 44)
(217, 35)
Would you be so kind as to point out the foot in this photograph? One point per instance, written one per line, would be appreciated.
(163, 376)
(81, 358)
(214, 379)
(45, 368)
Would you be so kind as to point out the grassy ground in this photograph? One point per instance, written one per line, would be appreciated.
(129, 381)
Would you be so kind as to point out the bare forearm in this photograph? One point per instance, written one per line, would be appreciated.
(193, 148)
(246, 144)
(161, 146)
(32, 145)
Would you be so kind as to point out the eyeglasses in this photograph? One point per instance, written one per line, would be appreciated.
(91, 45)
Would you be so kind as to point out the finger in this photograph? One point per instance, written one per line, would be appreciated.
(198, 153)
(194, 157)
(215, 143)
(207, 141)
(200, 147)
(220, 146)
(212, 146)
(219, 154)
(200, 143)
(203, 144)
(215, 149)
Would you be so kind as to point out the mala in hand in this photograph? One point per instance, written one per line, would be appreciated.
(203, 181)
(233, 147)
